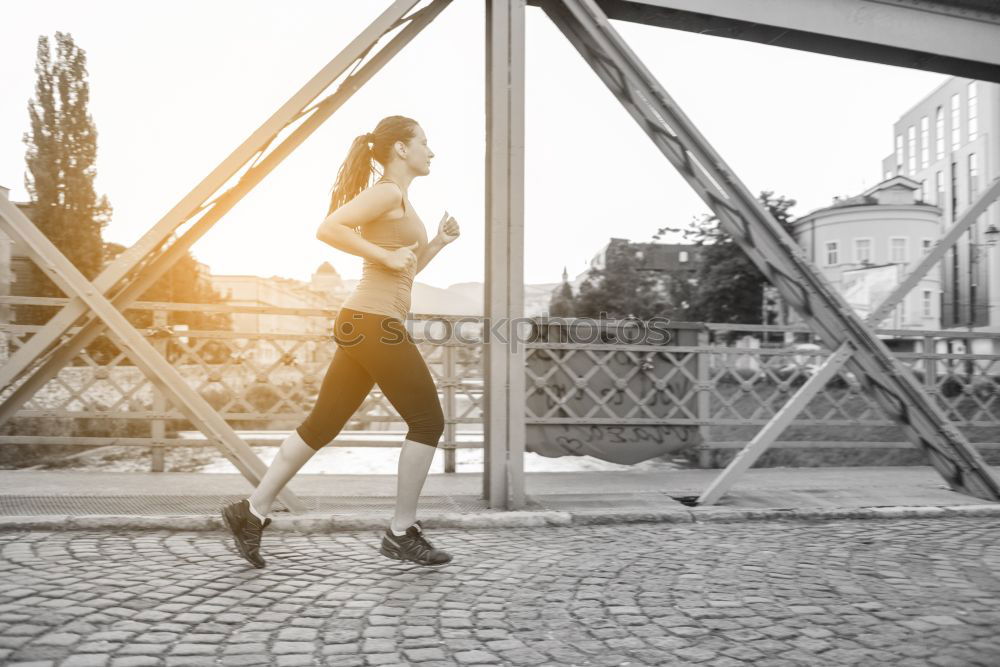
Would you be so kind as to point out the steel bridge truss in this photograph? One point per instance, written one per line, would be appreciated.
(97, 306)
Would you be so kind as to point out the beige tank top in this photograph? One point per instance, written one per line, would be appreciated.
(381, 290)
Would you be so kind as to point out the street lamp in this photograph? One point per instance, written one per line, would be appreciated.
(991, 234)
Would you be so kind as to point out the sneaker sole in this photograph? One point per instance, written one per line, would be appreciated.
(394, 556)
(230, 523)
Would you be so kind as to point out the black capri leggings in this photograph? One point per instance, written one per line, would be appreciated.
(374, 348)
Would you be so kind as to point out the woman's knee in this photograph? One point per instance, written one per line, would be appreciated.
(312, 436)
(427, 429)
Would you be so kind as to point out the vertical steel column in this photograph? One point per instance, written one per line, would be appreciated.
(706, 455)
(157, 426)
(930, 364)
(450, 379)
(503, 358)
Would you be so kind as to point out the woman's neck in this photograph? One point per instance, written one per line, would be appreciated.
(400, 177)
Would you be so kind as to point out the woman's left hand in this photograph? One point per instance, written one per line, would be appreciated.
(448, 229)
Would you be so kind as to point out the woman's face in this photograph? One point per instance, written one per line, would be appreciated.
(418, 153)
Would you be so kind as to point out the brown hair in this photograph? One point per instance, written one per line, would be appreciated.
(356, 172)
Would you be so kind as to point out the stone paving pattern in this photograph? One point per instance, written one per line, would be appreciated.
(876, 592)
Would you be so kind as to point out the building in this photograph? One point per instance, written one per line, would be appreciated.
(678, 259)
(863, 245)
(327, 282)
(667, 261)
(949, 143)
(18, 274)
(246, 290)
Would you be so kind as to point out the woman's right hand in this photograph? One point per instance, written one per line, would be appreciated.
(401, 259)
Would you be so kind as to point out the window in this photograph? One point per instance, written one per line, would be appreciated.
(939, 189)
(954, 192)
(927, 303)
(862, 250)
(925, 147)
(899, 153)
(888, 175)
(911, 150)
(831, 253)
(973, 111)
(939, 134)
(683, 256)
(923, 190)
(926, 245)
(973, 177)
(956, 123)
(897, 250)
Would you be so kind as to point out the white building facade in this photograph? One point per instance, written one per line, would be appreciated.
(865, 245)
(949, 143)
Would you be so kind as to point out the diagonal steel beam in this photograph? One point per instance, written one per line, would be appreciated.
(780, 259)
(784, 417)
(166, 378)
(934, 256)
(48, 367)
(195, 201)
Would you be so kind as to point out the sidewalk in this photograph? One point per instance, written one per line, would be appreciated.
(60, 500)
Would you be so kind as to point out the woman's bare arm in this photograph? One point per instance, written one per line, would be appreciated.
(337, 229)
(427, 253)
(448, 231)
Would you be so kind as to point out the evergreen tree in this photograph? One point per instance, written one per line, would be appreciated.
(562, 303)
(61, 156)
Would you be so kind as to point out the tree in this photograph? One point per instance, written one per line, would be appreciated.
(622, 288)
(182, 283)
(727, 286)
(61, 158)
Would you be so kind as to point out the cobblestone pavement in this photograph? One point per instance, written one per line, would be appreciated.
(893, 592)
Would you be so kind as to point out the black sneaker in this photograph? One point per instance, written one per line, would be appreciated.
(412, 546)
(247, 529)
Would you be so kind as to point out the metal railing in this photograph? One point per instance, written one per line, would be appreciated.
(699, 389)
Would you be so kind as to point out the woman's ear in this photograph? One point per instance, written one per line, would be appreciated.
(400, 149)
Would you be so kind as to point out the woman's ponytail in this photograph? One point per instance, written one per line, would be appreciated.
(356, 172)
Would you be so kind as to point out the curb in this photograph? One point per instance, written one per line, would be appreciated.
(329, 523)
(723, 515)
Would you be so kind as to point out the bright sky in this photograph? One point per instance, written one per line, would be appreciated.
(176, 86)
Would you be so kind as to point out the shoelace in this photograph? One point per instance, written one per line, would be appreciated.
(423, 547)
(423, 541)
(252, 536)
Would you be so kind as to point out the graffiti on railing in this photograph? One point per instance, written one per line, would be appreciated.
(624, 444)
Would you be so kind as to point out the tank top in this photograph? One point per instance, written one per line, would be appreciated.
(381, 290)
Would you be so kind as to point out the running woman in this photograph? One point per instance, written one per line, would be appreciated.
(378, 223)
